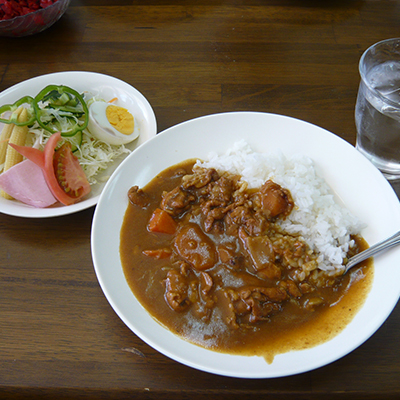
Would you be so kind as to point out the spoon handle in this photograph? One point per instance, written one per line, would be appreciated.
(376, 248)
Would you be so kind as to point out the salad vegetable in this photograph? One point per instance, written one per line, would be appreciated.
(5, 137)
(13, 134)
(61, 109)
(12, 108)
(18, 137)
(61, 169)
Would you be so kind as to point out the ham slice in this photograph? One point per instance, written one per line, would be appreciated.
(25, 182)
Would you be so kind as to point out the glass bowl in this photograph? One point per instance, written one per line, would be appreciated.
(33, 22)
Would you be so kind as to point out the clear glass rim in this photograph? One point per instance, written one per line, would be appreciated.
(361, 68)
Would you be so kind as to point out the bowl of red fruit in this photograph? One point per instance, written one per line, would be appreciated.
(27, 17)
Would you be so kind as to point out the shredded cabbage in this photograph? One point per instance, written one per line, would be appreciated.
(94, 155)
(63, 118)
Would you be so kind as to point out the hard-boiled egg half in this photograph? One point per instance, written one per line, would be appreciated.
(111, 123)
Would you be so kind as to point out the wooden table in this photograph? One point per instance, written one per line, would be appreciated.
(59, 337)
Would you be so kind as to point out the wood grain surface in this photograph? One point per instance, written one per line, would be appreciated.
(59, 337)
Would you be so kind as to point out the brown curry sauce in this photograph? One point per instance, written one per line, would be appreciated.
(205, 317)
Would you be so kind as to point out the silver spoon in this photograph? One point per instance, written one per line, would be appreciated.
(376, 248)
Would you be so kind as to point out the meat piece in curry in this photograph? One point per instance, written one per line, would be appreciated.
(208, 259)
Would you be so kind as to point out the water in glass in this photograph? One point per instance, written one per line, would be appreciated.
(378, 118)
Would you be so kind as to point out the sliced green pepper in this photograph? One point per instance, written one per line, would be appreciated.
(76, 140)
(65, 99)
(63, 102)
(13, 119)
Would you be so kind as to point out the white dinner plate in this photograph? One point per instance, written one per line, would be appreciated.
(106, 87)
(353, 178)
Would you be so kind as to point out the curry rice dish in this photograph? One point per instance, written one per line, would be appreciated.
(244, 265)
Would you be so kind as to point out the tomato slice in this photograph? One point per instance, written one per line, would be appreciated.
(69, 174)
(61, 169)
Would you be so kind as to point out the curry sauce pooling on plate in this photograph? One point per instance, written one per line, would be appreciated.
(208, 260)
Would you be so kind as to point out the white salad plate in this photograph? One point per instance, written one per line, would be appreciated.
(356, 182)
(106, 87)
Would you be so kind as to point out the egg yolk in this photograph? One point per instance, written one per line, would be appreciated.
(121, 119)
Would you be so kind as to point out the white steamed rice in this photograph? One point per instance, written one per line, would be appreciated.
(318, 218)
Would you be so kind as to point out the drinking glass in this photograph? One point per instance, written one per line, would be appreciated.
(377, 111)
